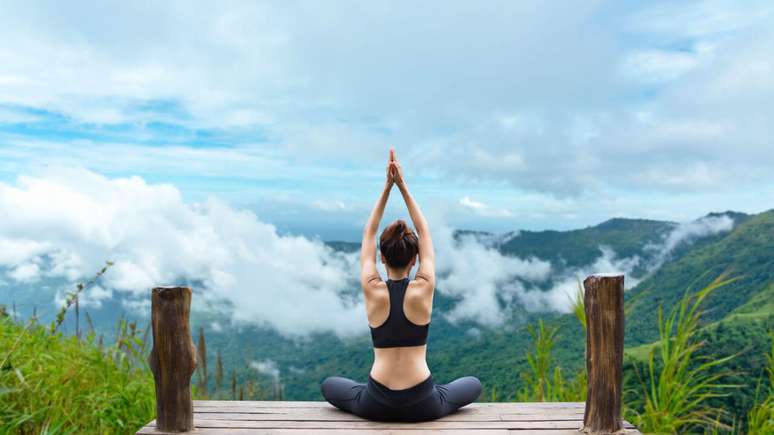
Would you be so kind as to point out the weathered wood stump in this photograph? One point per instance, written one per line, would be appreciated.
(603, 299)
(173, 358)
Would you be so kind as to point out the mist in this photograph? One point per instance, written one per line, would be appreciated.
(66, 222)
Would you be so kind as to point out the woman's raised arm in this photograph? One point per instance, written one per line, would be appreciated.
(426, 270)
(368, 272)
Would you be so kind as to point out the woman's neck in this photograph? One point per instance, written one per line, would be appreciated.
(397, 275)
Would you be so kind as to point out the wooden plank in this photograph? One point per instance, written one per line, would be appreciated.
(372, 432)
(365, 424)
(234, 417)
(269, 407)
(334, 411)
(323, 404)
(345, 417)
(344, 431)
(331, 409)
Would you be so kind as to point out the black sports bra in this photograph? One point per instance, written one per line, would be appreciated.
(397, 330)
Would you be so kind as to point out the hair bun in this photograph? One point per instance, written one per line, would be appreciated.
(398, 243)
(403, 229)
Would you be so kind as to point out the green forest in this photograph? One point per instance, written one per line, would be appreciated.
(699, 351)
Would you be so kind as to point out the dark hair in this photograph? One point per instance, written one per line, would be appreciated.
(398, 244)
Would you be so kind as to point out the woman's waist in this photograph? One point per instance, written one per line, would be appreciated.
(400, 397)
(399, 369)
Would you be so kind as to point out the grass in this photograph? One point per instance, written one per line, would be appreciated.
(53, 384)
(539, 382)
(679, 384)
(760, 419)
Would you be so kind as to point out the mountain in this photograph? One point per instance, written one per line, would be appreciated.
(577, 248)
(746, 254)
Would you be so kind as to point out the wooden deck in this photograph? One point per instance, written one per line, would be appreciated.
(242, 417)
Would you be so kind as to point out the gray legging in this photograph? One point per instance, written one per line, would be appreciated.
(422, 402)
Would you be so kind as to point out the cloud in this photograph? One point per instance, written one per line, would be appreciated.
(26, 273)
(686, 233)
(91, 297)
(561, 294)
(483, 209)
(559, 297)
(246, 91)
(267, 367)
(69, 222)
(478, 275)
(661, 65)
(330, 205)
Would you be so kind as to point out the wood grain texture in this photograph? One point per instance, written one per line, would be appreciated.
(173, 358)
(224, 417)
(345, 431)
(603, 299)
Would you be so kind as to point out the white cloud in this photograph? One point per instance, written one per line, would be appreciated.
(14, 252)
(68, 222)
(267, 367)
(90, 297)
(330, 205)
(478, 275)
(660, 65)
(686, 233)
(532, 106)
(483, 209)
(562, 293)
(155, 238)
(28, 272)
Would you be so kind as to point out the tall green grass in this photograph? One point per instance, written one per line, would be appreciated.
(54, 384)
(544, 381)
(760, 419)
(677, 383)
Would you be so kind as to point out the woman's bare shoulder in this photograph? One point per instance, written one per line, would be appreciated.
(420, 286)
(376, 289)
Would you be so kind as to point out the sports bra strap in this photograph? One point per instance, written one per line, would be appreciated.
(398, 330)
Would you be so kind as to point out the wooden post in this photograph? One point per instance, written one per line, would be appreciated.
(603, 299)
(173, 358)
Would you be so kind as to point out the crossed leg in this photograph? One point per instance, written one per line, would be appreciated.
(343, 393)
(458, 393)
(352, 397)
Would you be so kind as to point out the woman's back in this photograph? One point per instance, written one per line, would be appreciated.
(399, 326)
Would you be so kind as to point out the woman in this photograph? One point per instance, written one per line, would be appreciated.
(400, 387)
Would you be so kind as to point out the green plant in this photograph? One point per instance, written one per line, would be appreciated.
(72, 297)
(760, 419)
(540, 382)
(537, 384)
(679, 383)
(579, 305)
(50, 383)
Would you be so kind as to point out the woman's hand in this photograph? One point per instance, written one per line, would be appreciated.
(395, 170)
(390, 177)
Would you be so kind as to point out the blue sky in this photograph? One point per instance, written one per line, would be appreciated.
(506, 115)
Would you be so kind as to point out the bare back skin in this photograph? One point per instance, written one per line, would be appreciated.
(398, 367)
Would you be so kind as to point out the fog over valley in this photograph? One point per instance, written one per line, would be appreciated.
(61, 226)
